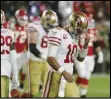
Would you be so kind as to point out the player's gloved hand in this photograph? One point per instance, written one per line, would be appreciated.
(87, 39)
(100, 57)
(67, 76)
(15, 82)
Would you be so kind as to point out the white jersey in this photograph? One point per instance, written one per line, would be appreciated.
(7, 38)
(67, 50)
(42, 39)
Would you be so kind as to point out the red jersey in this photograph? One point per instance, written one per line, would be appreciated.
(20, 38)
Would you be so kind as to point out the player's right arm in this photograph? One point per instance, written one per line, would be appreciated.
(54, 43)
(33, 34)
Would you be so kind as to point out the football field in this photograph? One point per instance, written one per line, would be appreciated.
(99, 86)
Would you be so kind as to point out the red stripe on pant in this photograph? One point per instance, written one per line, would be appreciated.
(48, 84)
(82, 81)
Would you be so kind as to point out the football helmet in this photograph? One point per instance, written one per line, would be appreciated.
(49, 19)
(21, 17)
(2, 17)
(78, 23)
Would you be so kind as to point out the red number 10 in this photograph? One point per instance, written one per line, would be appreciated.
(69, 57)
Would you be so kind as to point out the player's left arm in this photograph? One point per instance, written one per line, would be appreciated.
(32, 41)
(83, 52)
(52, 52)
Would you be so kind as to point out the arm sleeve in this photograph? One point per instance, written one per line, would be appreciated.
(34, 50)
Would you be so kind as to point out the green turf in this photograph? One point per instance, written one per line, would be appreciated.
(99, 86)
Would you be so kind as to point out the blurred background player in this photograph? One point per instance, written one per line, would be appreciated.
(85, 68)
(62, 52)
(65, 8)
(38, 47)
(8, 61)
(21, 42)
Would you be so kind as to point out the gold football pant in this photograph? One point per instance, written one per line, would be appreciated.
(38, 72)
(52, 85)
(4, 86)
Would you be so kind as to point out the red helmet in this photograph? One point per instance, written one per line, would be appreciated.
(2, 17)
(22, 17)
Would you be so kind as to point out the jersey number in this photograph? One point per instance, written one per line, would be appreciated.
(20, 37)
(44, 43)
(5, 41)
(69, 57)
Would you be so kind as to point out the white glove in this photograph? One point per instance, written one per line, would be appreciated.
(15, 82)
(100, 57)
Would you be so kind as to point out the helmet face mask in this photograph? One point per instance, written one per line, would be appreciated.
(49, 19)
(77, 24)
(76, 32)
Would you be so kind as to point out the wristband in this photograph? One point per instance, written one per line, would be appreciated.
(61, 69)
(83, 53)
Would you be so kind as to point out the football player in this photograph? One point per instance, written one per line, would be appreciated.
(21, 43)
(8, 61)
(85, 68)
(63, 52)
(38, 47)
